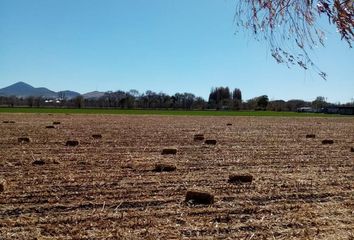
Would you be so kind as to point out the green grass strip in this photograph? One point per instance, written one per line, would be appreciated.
(162, 112)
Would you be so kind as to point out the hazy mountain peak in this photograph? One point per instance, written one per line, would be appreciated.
(22, 89)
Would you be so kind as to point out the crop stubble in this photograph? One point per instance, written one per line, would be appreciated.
(107, 188)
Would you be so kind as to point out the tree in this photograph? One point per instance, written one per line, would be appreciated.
(236, 94)
(262, 102)
(319, 102)
(220, 97)
(237, 99)
(79, 101)
(293, 24)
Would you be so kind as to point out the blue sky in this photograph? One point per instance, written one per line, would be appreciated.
(161, 45)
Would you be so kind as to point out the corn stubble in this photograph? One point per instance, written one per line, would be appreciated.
(262, 180)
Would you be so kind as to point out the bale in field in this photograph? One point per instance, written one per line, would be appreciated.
(310, 135)
(166, 151)
(2, 186)
(199, 197)
(6, 121)
(327, 141)
(210, 142)
(56, 123)
(50, 126)
(96, 136)
(238, 179)
(229, 124)
(72, 143)
(23, 140)
(352, 149)
(38, 162)
(198, 137)
(164, 167)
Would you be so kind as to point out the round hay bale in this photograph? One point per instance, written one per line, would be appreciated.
(50, 126)
(38, 162)
(96, 136)
(164, 167)
(229, 124)
(310, 135)
(72, 143)
(24, 140)
(56, 123)
(199, 197)
(5, 121)
(198, 137)
(210, 142)
(12, 122)
(238, 178)
(352, 149)
(327, 141)
(166, 151)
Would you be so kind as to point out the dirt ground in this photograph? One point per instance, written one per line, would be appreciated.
(106, 188)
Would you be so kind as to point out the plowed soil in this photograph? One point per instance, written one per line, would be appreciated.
(105, 188)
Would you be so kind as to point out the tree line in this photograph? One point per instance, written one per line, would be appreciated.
(220, 98)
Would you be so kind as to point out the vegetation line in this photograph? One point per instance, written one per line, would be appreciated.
(161, 112)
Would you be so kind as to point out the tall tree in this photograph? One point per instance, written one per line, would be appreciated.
(293, 24)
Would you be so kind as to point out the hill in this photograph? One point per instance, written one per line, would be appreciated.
(23, 90)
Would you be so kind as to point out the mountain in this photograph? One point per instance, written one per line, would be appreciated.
(22, 89)
(67, 94)
(93, 95)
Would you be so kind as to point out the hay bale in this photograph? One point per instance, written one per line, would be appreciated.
(210, 142)
(50, 126)
(199, 197)
(310, 135)
(56, 123)
(96, 136)
(72, 143)
(352, 149)
(327, 141)
(166, 151)
(2, 186)
(238, 179)
(164, 167)
(6, 121)
(229, 124)
(198, 137)
(38, 162)
(24, 140)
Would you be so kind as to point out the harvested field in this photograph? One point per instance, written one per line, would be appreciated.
(106, 189)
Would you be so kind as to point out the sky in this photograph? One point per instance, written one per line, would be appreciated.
(161, 45)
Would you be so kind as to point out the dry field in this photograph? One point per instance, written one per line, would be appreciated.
(105, 188)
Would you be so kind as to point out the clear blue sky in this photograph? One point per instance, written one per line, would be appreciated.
(161, 45)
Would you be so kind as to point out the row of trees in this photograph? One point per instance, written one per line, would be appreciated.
(220, 98)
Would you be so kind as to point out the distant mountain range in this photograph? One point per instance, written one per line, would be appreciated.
(22, 89)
